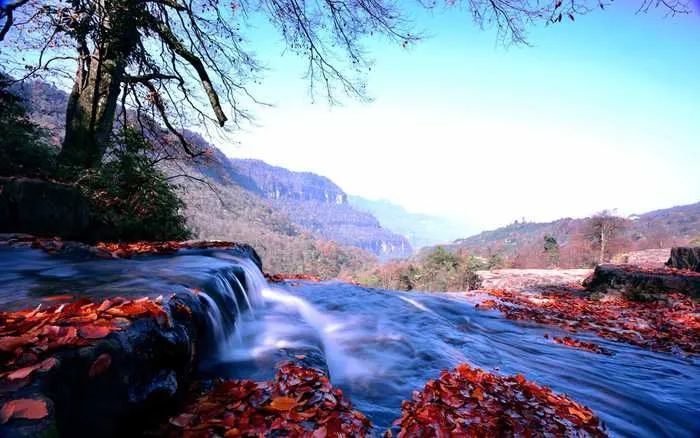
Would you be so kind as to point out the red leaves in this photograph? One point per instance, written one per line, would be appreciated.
(668, 325)
(581, 345)
(26, 408)
(472, 402)
(28, 338)
(25, 372)
(95, 331)
(298, 402)
(278, 278)
(128, 250)
(100, 365)
(283, 403)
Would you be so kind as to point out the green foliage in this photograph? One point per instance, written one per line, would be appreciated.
(130, 199)
(22, 149)
(440, 270)
(495, 261)
(551, 249)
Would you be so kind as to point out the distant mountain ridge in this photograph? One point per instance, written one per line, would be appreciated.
(317, 204)
(420, 229)
(661, 228)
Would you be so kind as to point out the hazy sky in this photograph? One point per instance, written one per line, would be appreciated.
(600, 113)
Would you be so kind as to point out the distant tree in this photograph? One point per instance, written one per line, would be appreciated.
(184, 60)
(551, 249)
(601, 229)
(695, 241)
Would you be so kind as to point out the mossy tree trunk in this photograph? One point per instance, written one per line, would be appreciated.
(93, 100)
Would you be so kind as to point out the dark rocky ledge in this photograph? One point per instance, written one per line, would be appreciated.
(685, 258)
(639, 281)
(150, 365)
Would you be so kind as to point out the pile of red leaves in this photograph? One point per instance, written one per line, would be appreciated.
(28, 338)
(278, 278)
(665, 325)
(116, 249)
(471, 402)
(581, 345)
(127, 250)
(298, 402)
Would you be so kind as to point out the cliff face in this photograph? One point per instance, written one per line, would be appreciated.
(279, 183)
(318, 205)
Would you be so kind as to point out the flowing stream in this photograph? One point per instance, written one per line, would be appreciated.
(378, 346)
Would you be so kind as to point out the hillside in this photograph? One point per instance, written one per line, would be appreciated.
(234, 207)
(520, 243)
(318, 205)
(420, 229)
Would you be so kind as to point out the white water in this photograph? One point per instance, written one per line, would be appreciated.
(276, 320)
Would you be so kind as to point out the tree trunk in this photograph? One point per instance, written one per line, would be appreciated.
(93, 100)
(602, 245)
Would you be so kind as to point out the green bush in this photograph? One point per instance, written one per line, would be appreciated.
(129, 198)
(23, 151)
(438, 271)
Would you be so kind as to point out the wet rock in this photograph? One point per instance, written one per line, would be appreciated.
(42, 207)
(685, 258)
(119, 384)
(638, 282)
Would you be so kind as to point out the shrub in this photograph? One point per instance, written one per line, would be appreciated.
(130, 199)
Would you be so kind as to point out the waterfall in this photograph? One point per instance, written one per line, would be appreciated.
(250, 320)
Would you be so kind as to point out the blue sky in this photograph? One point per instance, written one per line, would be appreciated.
(600, 113)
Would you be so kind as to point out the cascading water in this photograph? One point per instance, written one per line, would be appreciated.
(261, 331)
(378, 345)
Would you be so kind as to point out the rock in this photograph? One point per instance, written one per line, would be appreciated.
(685, 258)
(636, 281)
(42, 208)
(120, 384)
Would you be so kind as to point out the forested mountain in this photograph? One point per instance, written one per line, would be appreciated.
(521, 243)
(317, 204)
(300, 222)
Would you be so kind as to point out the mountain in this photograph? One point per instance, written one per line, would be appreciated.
(420, 229)
(317, 204)
(298, 221)
(521, 243)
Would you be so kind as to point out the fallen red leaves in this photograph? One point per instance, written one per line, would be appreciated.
(28, 338)
(278, 278)
(116, 249)
(665, 325)
(298, 402)
(127, 250)
(471, 402)
(581, 345)
(25, 408)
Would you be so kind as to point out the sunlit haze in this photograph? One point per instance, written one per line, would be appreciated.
(599, 113)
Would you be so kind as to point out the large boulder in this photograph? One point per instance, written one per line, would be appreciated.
(637, 281)
(42, 208)
(146, 369)
(684, 257)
